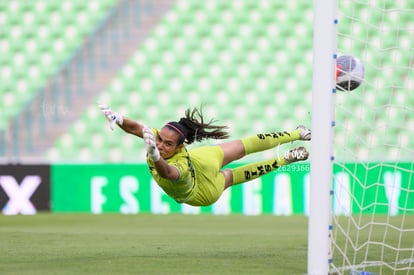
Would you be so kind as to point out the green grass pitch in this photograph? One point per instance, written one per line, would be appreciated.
(152, 244)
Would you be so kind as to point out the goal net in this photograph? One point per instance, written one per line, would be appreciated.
(373, 179)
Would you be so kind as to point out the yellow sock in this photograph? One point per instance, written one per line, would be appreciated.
(254, 170)
(261, 142)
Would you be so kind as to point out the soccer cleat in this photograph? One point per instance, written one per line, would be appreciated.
(305, 133)
(296, 154)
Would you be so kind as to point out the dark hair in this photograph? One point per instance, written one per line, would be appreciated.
(193, 128)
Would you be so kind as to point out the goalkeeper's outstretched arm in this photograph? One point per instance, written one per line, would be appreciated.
(128, 125)
(135, 128)
(132, 127)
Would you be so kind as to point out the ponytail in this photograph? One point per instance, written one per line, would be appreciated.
(193, 128)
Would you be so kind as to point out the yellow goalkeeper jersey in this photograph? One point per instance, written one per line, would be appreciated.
(200, 183)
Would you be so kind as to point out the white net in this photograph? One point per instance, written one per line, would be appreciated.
(373, 184)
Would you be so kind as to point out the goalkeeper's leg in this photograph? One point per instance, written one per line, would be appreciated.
(263, 142)
(235, 150)
(254, 170)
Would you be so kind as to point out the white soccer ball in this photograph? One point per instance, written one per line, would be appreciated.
(349, 73)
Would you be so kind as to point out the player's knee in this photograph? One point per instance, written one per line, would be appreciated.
(228, 178)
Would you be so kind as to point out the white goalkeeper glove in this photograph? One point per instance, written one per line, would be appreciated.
(150, 145)
(111, 116)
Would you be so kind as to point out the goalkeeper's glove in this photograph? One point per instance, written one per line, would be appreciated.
(111, 116)
(150, 145)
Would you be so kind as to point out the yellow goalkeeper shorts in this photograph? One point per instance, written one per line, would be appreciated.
(210, 182)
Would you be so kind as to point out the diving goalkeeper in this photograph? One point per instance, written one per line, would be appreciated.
(196, 177)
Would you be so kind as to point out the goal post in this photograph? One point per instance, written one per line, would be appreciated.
(323, 87)
(361, 218)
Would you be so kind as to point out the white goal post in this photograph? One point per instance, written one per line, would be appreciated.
(361, 212)
(323, 84)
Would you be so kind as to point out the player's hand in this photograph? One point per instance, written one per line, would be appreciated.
(150, 145)
(111, 116)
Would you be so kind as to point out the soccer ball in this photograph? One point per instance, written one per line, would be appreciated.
(349, 73)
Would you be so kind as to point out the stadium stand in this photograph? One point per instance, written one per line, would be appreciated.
(249, 63)
(228, 56)
(36, 38)
(104, 32)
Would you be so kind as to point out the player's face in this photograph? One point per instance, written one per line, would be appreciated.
(167, 142)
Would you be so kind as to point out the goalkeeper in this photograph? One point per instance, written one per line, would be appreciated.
(196, 177)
